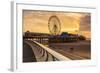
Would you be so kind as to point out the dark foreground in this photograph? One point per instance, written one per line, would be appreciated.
(80, 50)
(28, 54)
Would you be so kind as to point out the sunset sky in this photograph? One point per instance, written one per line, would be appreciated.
(37, 21)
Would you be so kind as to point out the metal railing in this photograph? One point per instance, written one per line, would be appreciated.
(44, 53)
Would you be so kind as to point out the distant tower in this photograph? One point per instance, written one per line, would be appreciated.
(27, 33)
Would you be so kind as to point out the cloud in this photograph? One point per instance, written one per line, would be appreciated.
(85, 23)
(37, 21)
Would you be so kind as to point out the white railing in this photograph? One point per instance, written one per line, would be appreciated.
(55, 55)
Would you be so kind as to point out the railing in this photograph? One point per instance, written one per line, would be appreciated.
(44, 53)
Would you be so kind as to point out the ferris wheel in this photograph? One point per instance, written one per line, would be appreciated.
(54, 25)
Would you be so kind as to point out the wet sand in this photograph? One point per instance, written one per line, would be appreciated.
(75, 50)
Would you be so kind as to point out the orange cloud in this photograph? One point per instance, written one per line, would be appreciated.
(37, 21)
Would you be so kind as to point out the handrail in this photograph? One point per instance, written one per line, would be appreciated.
(54, 53)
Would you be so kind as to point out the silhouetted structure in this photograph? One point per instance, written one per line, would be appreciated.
(39, 37)
(66, 37)
(47, 38)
